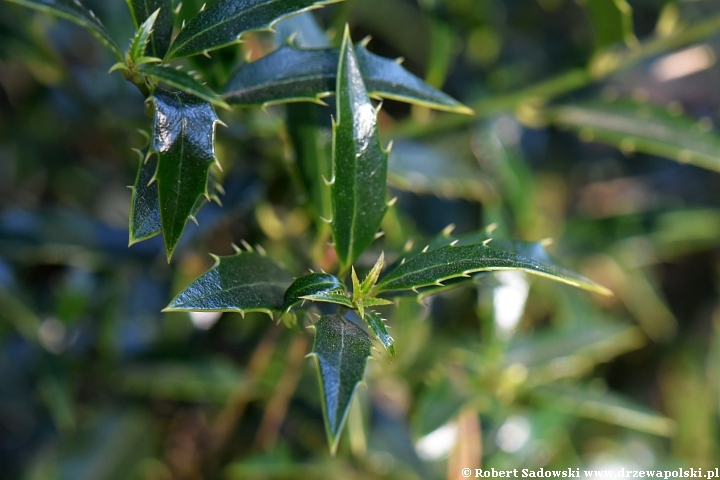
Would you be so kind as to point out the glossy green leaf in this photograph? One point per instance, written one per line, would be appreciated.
(74, 11)
(377, 325)
(359, 164)
(338, 297)
(183, 138)
(144, 206)
(142, 36)
(311, 284)
(224, 22)
(290, 74)
(161, 36)
(455, 260)
(612, 22)
(643, 128)
(341, 350)
(605, 407)
(183, 81)
(245, 282)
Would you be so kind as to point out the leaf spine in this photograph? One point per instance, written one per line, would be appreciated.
(491, 228)
(448, 230)
(487, 241)
(424, 250)
(392, 202)
(236, 248)
(379, 234)
(454, 242)
(247, 246)
(261, 250)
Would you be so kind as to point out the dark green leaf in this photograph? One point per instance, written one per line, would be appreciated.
(162, 33)
(359, 163)
(246, 282)
(612, 22)
(183, 81)
(433, 266)
(303, 30)
(223, 23)
(142, 36)
(606, 407)
(311, 284)
(290, 74)
(183, 138)
(144, 206)
(377, 325)
(341, 350)
(313, 152)
(643, 128)
(74, 11)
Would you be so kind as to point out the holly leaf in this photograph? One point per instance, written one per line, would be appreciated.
(74, 11)
(144, 206)
(183, 81)
(377, 325)
(432, 266)
(359, 163)
(312, 285)
(612, 22)
(341, 350)
(161, 35)
(224, 23)
(142, 36)
(642, 128)
(290, 74)
(183, 139)
(245, 282)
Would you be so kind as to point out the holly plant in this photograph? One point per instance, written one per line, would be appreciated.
(347, 186)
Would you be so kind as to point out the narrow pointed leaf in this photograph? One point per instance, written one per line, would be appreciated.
(183, 139)
(359, 164)
(144, 206)
(341, 350)
(246, 282)
(643, 128)
(224, 22)
(162, 32)
(74, 11)
(142, 36)
(377, 325)
(338, 297)
(453, 261)
(311, 284)
(183, 81)
(606, 407)
(290, 74)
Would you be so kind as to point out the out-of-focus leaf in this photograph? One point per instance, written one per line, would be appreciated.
(74, 11)
(312, 284)
(433, 266)
(183, 138)
(303, 30)
(224, 22)
(437, 404)
(142, 36)
(377, 325)
(144, 206)
(421, 169)
(183, 81)
(245, 282)
(612, 22)
(290, 74)
(645, 128)
(212, 381)
(313, 150)
(162, 32)
(359, 163)
(554, 355)
(606, 407)
(341, 350)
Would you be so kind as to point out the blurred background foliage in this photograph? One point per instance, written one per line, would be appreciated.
(594, 127)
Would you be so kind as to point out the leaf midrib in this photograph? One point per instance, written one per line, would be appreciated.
(236, 287)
